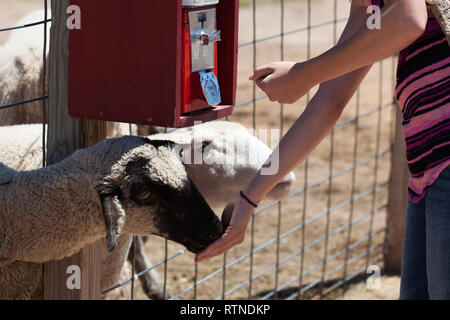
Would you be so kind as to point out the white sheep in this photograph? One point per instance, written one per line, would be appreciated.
(230, 156)
(130, 185)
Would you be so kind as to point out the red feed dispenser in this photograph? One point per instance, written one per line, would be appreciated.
(162, 63)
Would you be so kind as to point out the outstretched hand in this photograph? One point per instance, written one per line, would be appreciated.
(235, 218)
(285, 82)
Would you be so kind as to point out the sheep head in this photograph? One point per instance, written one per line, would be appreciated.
(227, 155)
(150, 187)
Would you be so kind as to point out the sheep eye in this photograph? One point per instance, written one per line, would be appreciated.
(143, 195)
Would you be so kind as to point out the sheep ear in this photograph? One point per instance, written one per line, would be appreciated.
(205, 144)
(186, 151)
(113, 215)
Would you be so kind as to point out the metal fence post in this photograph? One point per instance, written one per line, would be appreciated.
(65, 135)
(398, 194)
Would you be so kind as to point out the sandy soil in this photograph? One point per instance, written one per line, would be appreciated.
(181, 271)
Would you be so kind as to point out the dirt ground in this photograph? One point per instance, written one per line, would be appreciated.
(373, 136)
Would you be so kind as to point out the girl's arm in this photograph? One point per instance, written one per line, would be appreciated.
(402, 22)
(310, 129)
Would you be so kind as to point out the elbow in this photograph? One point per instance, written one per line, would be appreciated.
(415, 23)
(409, 18)
(416, 26)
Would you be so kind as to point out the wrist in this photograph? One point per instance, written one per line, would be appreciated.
(243, 204)
(252, 196)
(249, 201)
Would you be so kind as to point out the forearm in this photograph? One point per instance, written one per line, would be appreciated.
(402, 22)
(308, 131)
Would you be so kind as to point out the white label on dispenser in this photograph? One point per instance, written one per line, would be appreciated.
(210, 87)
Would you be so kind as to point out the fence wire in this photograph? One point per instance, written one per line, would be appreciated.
(304, 280)
(368, 251)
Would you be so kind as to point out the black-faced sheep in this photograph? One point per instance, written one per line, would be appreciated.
(128, 185)
(22, 150)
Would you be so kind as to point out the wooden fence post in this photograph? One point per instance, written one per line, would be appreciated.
(398, 195)
(65, 135)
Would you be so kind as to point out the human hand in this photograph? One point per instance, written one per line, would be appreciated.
(285, 82)
(235, 218)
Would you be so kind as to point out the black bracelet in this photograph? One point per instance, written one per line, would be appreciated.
(248, 200)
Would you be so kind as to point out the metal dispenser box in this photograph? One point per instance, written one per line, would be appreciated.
(162, 63)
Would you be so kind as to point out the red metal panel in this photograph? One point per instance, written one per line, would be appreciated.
(205, 115)
(125, 62)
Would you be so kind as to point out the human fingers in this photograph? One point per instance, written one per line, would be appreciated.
(262, 72)
(220, 246)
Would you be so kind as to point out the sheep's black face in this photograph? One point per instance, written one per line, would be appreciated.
(159, 198)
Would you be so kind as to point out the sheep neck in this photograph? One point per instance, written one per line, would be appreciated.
(33, 230)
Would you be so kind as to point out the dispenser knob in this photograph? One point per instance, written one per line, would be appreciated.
(208, 38)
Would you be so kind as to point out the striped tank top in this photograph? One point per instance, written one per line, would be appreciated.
(423, 93)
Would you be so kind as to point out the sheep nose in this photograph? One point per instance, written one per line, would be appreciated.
(214, 237)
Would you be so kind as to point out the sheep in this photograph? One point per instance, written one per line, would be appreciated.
(88, 196)
(24, 151)
(231, 155)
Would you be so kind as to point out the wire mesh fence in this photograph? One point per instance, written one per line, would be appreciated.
(332, 227)
(43, 93)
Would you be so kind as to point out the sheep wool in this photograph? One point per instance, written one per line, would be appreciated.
(53, 212)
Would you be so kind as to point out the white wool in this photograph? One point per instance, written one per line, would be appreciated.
(30, 38)
(21, 146)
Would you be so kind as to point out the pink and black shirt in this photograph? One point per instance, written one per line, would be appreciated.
(423, 93)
